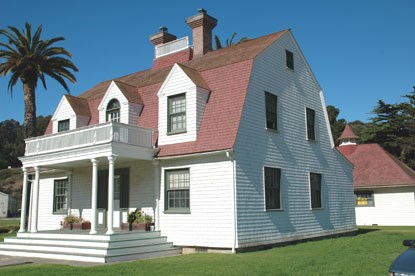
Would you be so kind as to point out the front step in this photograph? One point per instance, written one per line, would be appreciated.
(89, 248)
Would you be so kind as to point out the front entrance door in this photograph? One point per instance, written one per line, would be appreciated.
(121, 192)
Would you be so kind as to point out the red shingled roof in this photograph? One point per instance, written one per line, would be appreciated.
(375, 167)
(225, 72)
(348, 134)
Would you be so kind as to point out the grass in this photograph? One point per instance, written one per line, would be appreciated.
(11, 225)
(368, 253)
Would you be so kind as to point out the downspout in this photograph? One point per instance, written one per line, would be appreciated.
(235, 226)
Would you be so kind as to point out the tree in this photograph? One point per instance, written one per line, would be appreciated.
(337, 126)
(393, 128)
(229, 42)
(29, 58)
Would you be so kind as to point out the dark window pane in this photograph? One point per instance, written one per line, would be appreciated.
(289, 59)
(315, 189)
(311, 133)
(271, 110)
(176, 113)
(272, 188)
(63, 125)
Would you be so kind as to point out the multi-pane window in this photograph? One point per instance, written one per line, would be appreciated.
(177, 190)
(113, 111)
(117, 187)
(60, 196)
(289, 57)
(315, 190)
(272, 185)
(311, 128)
(271, 110)
(177, 113)
(63, 125)
(364, 198)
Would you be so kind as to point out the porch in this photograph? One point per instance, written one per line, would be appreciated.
(103, 147)
(79, 245)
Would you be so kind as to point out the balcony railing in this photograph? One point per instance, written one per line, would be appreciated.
(172, 47)
(90, 136)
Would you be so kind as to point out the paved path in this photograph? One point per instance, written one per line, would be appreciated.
(12, 260)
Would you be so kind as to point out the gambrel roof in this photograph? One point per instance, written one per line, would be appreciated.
(224, 72)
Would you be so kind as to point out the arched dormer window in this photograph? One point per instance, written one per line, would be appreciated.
(113, 111)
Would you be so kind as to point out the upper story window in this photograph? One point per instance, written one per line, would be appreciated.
(289, 58)
(271, 110)
(63, 125)
(315, 190)
(311, 128)
(113, 111)
(176, 113)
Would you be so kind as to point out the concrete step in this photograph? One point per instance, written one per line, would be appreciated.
(89, 248)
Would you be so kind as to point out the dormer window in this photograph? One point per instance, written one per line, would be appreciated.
(177, 113)
(63, 125)
(113, 111)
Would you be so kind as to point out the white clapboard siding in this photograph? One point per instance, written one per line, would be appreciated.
(210, 221)
(177, 82)
(394, 206)
(64, 111)
(288, 150)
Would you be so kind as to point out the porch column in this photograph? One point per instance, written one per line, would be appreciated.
(35, 206)
(24, 203)
(94, 196)
(156, 166)
(110, 221)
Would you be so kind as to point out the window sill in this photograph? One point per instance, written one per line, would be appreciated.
(317, 209)
(272, 130)
(290, 69)
(364, 206)
(64, 212)
(274, 210)
(176, 132)
(176, 212)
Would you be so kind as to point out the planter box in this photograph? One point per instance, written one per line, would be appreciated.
(136, 226)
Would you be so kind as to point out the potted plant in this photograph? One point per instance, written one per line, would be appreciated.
(137, 220)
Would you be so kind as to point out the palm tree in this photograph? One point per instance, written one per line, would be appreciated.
(29, 58)
(229, 42)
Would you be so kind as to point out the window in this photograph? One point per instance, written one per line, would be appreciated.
(177, 190)
(315, 190)
(311, 117)
(117, 187)
(113, 111)
(272, 185)
(289, 57)
(63, 125)
(60, 196)
(364, 198)
(177, 113)
(271, 110)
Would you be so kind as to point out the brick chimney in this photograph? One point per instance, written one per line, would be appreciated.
(202, 25)
(162, 37)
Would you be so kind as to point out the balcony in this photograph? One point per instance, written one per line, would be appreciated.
(172, 47)
(90, 142)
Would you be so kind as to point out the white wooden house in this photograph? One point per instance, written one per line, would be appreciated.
(226, 149)
(384, 186)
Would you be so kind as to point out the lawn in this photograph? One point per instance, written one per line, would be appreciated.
(368, 253)
(9, 225)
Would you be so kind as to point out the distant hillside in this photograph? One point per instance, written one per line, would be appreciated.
(11, 182)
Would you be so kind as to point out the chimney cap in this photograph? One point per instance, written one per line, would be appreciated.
(202, 10)
(163, 29)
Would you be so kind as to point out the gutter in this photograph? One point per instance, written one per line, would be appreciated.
(201, 154)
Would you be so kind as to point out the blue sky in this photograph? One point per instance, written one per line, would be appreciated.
(360, 51)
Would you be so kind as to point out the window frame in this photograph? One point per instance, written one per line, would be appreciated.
(277, 174)
(168, 189)
(313, 191)
(170, 115)
(63, 202)
(269, 98)
(289, 60)
(370, 200)
(62, 123)
(310, 128)
(113, 110)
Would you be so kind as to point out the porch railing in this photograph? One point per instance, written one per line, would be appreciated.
(89, 136)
